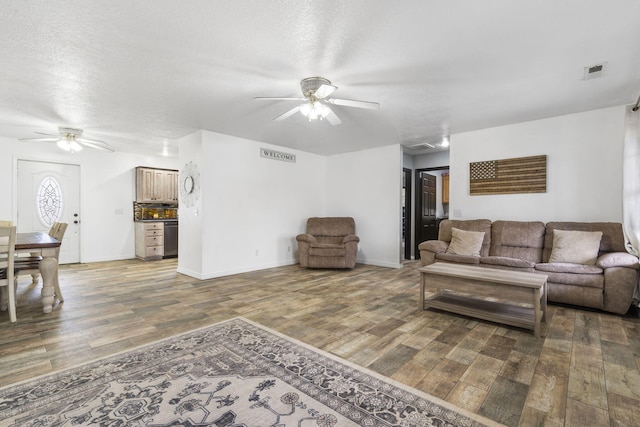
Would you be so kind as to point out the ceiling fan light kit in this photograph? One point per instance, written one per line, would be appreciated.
(69, 145)
(315, 110)
(315, 91)
(67, 140)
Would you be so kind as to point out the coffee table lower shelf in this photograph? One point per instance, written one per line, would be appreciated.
(508, 314)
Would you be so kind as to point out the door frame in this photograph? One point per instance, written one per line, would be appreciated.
(418, 202)
(52, 159)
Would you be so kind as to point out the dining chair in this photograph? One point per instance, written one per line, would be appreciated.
(7, 254)
(5, 223)
(31, 264)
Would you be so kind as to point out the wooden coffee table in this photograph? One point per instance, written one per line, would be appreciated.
(487, 293)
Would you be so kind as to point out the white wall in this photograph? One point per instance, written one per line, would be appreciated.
(584, 168)
(252, 207)
(433, 160)
(407, 161)
(367, 185)
(107, 187)
(191, 218)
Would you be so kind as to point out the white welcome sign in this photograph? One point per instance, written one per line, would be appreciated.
(277, 155)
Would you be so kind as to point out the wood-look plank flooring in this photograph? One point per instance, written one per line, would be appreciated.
(584, 371)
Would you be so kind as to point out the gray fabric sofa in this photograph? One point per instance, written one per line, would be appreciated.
(328, 243)
(526, 246)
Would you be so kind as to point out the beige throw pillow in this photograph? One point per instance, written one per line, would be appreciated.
(465, 242)
(576, 247)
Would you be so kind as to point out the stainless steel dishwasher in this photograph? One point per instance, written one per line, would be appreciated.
(170, 239)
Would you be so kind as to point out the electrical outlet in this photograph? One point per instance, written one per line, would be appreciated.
(457, 213)
(119, 212)
(257, 252)
(289, 248)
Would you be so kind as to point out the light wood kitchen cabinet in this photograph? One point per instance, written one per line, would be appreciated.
(149, 240)
(156, 185)
(445, 188)
(171, 186)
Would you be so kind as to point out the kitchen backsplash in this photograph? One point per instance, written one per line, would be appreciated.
(147, 211)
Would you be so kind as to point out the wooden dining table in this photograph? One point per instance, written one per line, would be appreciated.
(40, 243)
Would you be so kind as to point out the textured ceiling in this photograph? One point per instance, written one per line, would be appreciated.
(139, 74)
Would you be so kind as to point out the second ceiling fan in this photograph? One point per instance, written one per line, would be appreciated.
(315, 91)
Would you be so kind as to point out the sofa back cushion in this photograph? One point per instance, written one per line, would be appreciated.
(612, 235)
(483, 225)
(333, 228)
(518, 239)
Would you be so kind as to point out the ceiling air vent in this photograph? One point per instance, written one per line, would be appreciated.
(594, 71)
(419, 147)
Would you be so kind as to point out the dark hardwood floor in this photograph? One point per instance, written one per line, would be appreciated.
(584, 371)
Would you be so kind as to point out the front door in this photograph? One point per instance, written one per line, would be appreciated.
(426, 227)
(48, 193)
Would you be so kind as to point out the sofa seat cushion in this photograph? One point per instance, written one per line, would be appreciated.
(462, 259)
(573, 274)
(326, 249)
(585, 280)
(329, 240)
(566, 267)
(506, 262)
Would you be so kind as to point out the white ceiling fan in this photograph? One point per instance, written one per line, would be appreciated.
(71, 140)
(315, 91)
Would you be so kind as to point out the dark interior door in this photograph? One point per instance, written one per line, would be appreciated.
(426, 224)
(406, 212)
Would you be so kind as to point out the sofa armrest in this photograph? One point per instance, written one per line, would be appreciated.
(350, 238)
(435, 246)
(617, 259)
(306, 238)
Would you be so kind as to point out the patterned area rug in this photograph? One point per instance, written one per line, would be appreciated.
(231, 374)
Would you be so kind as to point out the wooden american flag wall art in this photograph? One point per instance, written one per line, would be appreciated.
(508, 176)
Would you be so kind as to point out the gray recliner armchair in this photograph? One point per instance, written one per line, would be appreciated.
(328, 243)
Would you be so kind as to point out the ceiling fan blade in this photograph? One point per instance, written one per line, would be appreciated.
(52, 139)
(94, 143)
(271, 98)
(47, 134)
(288, 113)
(333, 118)
(324, 90)
(353, 103)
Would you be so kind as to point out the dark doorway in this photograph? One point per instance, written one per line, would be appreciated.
(426, 205)
(406, 212)
(425, 209)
